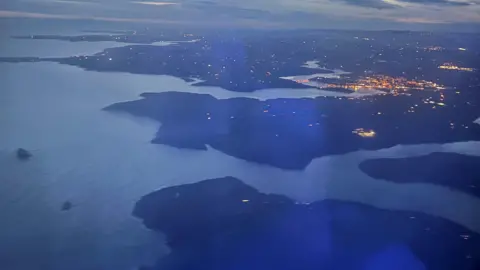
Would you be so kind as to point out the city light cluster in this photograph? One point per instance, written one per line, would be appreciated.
(364, 133)
(433, 48)
(386, 83)
(451, 66)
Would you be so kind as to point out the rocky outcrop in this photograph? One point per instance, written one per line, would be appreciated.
(23, 154)
(67, 205)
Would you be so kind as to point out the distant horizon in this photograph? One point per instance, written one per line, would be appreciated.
(414, 15)
(100, 25)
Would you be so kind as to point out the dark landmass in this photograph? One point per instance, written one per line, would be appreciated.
(116, 36)
(448, 169)
(23, 154)
(67, 205)
(289, 133)
(130, 32)
(245, 62)
(224, 224)
(22, 59)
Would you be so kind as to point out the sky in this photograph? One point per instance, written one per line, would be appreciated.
(354, 14)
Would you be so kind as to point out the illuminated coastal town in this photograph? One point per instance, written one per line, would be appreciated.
(452, 66)
(364, 133)
(439, 49)
(434, 48)
(393, 85)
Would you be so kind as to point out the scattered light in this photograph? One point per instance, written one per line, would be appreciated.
(245, 201)
(387, 83)
(451, 66)
(364, 133)
(434, 48)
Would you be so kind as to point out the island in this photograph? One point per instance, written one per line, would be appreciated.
(224, 224)
(67, 205)
(23, 154)
(452, 170)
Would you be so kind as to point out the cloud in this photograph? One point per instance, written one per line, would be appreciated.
(217, 24)
(419, 20)
(74, 2)
(220, 9)
(388, 4)
(357, 14)
(439, 2)
(377, 4)
(154, 3)
(34, 15)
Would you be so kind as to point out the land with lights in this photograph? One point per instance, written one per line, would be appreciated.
(225, 216)
(289, 133)
(417, 101)
(376, 90)
(452, 66)
(388, 84)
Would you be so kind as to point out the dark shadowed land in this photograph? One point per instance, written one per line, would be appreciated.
(448, 169)
(225, 224)
(253, 60)
(130, 37)
(289, 133)
(222, 224)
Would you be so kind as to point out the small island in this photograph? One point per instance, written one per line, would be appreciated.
(23, 154)
(67, 205)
